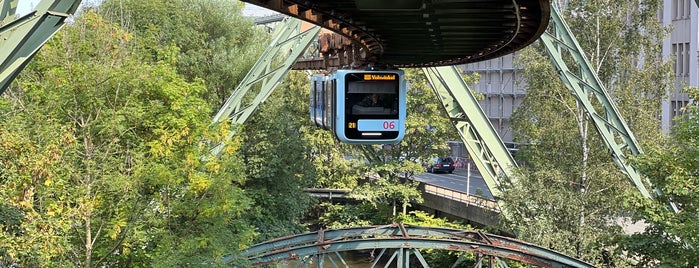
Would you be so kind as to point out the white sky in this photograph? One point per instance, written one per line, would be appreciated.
(26, 6)
(255, 11)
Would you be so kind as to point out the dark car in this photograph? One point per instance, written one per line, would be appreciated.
(441, 164)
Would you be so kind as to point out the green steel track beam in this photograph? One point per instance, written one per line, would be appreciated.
(289, 43)
(585, 85)
(21, 38)
(484, 145)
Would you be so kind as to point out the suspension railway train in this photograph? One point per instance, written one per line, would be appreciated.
(360, 106)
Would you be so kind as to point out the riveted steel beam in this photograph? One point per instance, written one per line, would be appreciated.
(21, 38)
(593, 96)
(289, 42)
(405, 239)
(482, 141)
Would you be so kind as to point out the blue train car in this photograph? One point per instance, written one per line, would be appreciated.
(360, 106)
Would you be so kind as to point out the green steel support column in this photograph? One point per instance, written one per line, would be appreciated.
(485, 146)
(21, 38)
(287, 40)
(584, 85)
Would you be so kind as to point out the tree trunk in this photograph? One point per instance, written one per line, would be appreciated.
(583, 124)
(88, 147)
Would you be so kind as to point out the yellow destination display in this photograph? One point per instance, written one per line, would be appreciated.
(380, 77)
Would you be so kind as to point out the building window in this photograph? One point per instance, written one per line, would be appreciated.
(686, 59)
(681, 9)
(681, 53)
(680, 59)
(677, 107)
(673, 9)
(674, 54)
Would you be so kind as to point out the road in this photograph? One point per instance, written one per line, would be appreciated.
(457, 182)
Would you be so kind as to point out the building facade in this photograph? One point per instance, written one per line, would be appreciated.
(683, 16)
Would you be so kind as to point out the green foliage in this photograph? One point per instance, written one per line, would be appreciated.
(427, 128)
(670, 239)
(620, 42)
(277, 160)
(336, 216)
(216, 43)
(389, 192)
(421, 218)
(569, 195)
(113, 171)
(33, 228)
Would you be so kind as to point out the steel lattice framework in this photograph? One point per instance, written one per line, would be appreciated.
(405, 240)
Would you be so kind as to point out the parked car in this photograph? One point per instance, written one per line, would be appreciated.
(441, 164)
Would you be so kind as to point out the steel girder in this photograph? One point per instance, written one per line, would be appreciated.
(484, 145)
(267, 72)
(585, 85)
(21, 38)
(397, 236)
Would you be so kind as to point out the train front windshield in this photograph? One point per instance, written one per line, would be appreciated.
(373, 98)
(372, 105)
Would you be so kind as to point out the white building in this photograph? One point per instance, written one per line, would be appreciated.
(683, 15)
(504, 88)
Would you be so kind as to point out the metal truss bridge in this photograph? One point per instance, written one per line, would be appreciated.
(399, 245)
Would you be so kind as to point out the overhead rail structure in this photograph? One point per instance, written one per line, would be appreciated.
(416, 33)
(397, 242)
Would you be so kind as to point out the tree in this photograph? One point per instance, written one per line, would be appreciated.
(126, 172)
(670, 239)
(217, 44)
(569, 194)
(277, 159)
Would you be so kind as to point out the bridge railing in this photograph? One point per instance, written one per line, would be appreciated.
(462, 197)
(458, 196)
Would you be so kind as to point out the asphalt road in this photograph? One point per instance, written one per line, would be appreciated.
(457, 181)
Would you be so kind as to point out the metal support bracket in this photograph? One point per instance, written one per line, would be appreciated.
(21, 38)
(291, 43)
(585, 85)
(482, 141)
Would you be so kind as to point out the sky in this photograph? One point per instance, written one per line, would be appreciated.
(26, 6)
